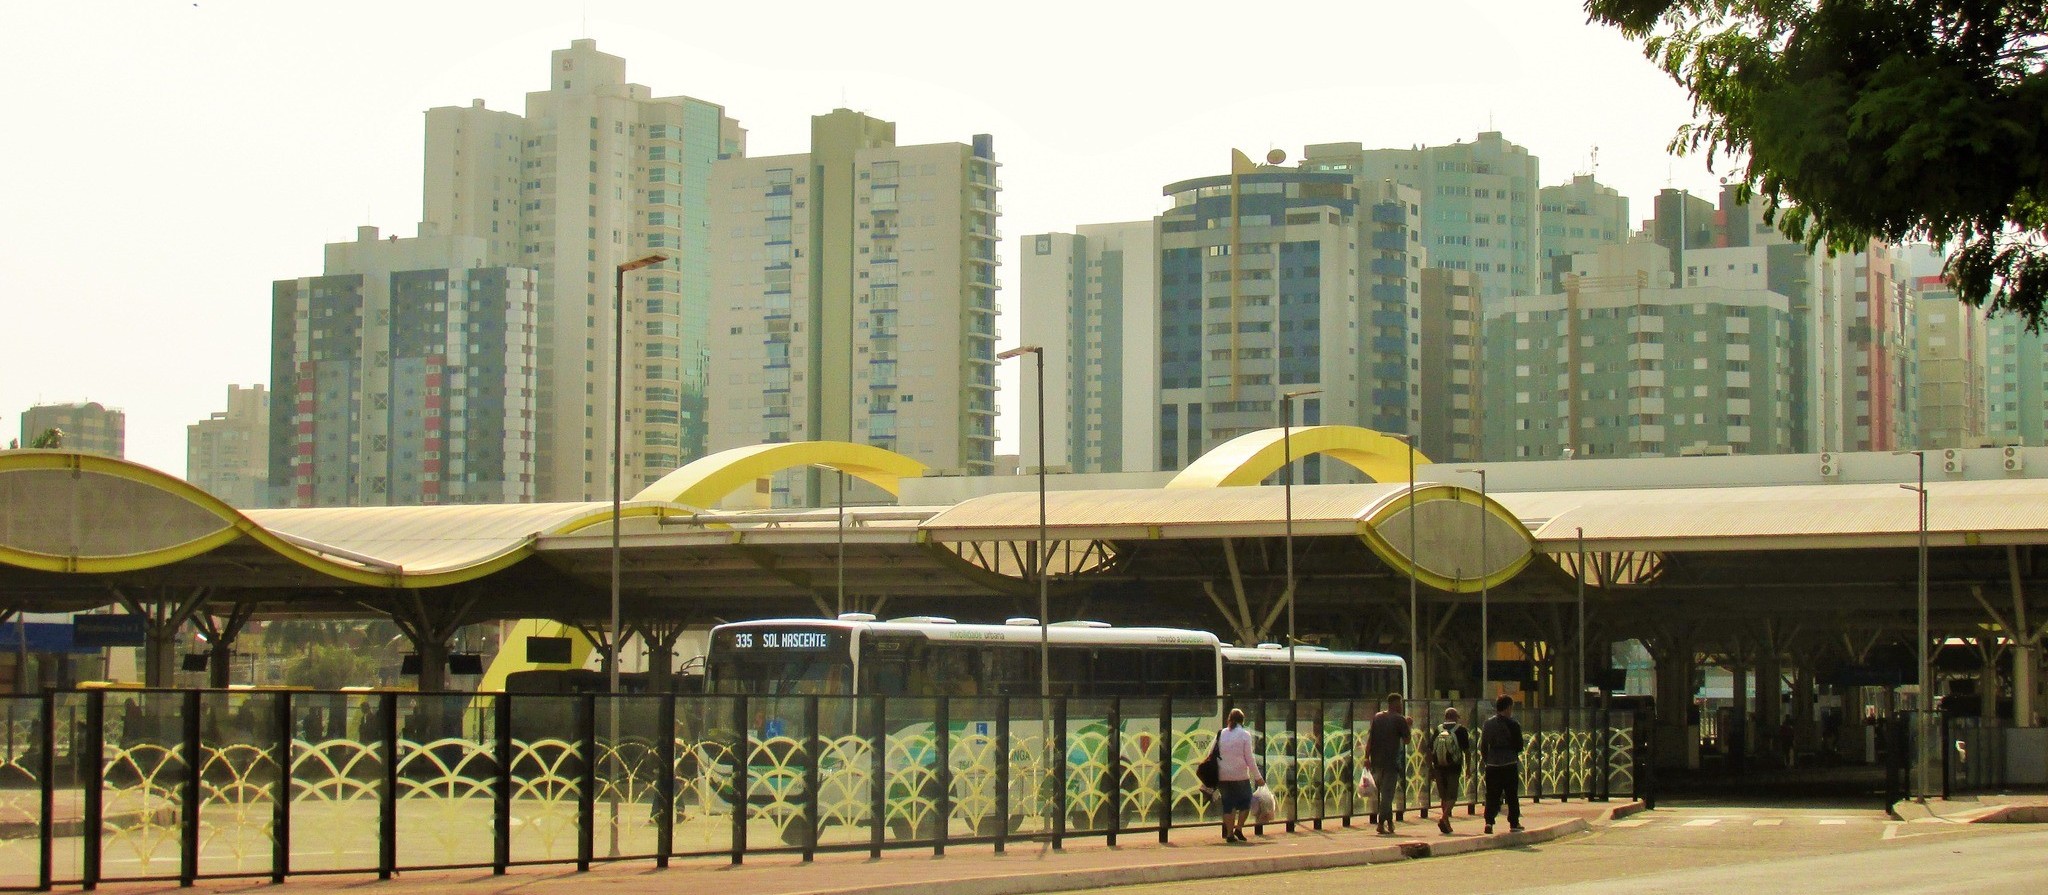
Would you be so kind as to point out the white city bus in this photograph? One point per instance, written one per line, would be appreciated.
(779, 663)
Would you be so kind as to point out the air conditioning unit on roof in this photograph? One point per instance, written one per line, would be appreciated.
(1830, 465)
(1952, 461)
(2014, 460)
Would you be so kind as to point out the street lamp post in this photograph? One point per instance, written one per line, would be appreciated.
(612, 633)
(1287, 499)
(1414, 599)
(841, 592)
(1925, 700)
(1043, 561)
(1485, 643)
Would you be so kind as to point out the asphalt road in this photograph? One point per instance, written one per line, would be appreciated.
(1716, 850)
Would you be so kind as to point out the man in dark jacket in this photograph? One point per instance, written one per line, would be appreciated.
(1383, 741)
(1500, 751)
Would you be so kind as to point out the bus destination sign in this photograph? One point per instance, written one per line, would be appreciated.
(782, 641)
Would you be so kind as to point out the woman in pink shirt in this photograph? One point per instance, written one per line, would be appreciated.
(1237, 770)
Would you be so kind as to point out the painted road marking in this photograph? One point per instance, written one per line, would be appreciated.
(1832, 822)
(1632, 822)
(1703, 822)
(1770, 822)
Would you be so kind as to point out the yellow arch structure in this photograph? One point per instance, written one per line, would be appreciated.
(703, 483)
(1248, 459)
(707, 480)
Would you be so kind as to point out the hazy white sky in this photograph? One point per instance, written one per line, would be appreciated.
(169, 159)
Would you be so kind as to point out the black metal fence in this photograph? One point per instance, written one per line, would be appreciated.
(107, 785)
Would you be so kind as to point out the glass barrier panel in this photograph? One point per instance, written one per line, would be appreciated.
(973, 755)
(1143, 752)
(21, 797)
(705, 735)
(238, 780)
(1275, 748)
(627, 803)
(337, 778)
(1621, 762)
(910, 761)
(446, 774)
(1195, 724)
(1311, 778)
(1089, 788)
(778, 752)
(1031, 765)
(547, 776)
(846, 770)
(144, 770)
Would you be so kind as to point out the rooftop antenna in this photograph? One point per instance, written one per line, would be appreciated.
(1595, 173)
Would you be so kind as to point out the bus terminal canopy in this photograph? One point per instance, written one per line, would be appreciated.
(78, 531)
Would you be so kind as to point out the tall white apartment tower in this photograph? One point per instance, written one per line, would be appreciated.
(855, 298)
(1091, 301)
(598, 172)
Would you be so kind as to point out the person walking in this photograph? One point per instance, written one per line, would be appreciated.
(1237, 771)
(1500, 748)
(1445, 751)
(1384, 738)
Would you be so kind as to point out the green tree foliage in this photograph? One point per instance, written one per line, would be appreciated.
(328, 667)
(48, 440)
(1875, 119)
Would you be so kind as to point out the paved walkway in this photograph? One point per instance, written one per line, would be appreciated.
(1028, 867)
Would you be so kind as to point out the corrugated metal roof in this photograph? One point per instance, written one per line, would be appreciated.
(1812, 516)
(1177, 512)
(427, 539)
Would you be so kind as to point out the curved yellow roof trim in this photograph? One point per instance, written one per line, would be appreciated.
(235, 525)
(1249, 458)
(1499, 517)
(707, 480)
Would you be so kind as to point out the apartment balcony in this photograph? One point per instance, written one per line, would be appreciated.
(1646, 405)
(1388, 267)
(1388, 213)
(1389, 318)
(1390, 240)
(1652, 351)
(1388, 292)
(1647, 378)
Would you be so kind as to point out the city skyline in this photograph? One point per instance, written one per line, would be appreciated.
(272, 160)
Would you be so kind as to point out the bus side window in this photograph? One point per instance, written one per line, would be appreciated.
(1013, 671)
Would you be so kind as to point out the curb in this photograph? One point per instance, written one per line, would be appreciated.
(1069, 880)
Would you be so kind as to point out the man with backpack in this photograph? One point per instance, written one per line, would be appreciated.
(1500, 747)
(1445, 752)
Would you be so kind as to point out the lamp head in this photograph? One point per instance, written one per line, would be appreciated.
(648, 261)
(1019, 351)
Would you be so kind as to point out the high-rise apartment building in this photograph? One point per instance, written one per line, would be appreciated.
(2016, 382)
(596, 173)
(855, 297)
(404, 375)
(90, 427)
(228, 453)
(1452, 379)
(1277, 280)
(1623, 365)
(1479, 203)
(1091, 301)
(1578, 218)
(1950, 353)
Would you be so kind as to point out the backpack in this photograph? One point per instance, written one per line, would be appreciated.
(1210, 771)
(1443, 746)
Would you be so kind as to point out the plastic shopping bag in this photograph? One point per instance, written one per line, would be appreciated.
(1366, 785)
(1264, 806)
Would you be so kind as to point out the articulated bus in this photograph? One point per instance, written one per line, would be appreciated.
(778, 663)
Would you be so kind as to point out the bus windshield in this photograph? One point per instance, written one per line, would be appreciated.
(781, 662)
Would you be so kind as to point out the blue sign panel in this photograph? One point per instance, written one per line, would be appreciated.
(42, 637)
(93, 631)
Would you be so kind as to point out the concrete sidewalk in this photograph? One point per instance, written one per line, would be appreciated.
(1028, 867)
(2030, 808)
